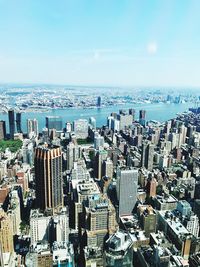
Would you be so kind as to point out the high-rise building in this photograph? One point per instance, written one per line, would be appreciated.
(28, 152)
(48, 177)
(142, 117)
(125, 120)
(132, 112)
(81, 128)
(45, 135)
(39, 226)
(1, 256)
(14, 211)
(6, 233)
(98, 141)
(19, 122)
(119, 250)
(97, 220)
(11, 118)
(80, 190)
(127, 183)
(2, 130)
(99, 158)
(98, 101)
(184, 208)
(151, 187)
(68, 127)
(108, 168)
(192, 225)
(148, 219)
(54, 122)
(72, 155)
(32, 128)
(147, 155)
(92, 122)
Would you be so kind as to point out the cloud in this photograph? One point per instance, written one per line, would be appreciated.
(152, 48)
(96, 55)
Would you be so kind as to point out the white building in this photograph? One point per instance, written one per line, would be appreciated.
(39, 226)
(32, 128)
(193, 225)
(98, 141)
(81, 128)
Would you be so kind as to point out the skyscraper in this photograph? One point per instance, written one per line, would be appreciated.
(127, 190)
(97, 220)
(81, 128)
(54, 122)
(99, 102)
(18, 122)
(48, 177)
(132, 112)
(2, 130)
(92, 122)
(6, 232)
(32, 127)
(11, 117)
(98, 141)
(147, 155)
(142, 117)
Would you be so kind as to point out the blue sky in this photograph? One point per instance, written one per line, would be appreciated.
(100, 42)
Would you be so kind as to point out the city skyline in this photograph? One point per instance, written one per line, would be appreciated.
(129, 43)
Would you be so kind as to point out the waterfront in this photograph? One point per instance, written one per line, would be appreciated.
(160, 112)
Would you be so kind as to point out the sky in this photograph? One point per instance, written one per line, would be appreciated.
(100, 42)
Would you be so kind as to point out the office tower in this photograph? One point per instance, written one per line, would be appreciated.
(54, 122)
(39, 226)
(1, 256)
(28, 152)
(18, 122)
(92, 122)
(48, 177)
(168, 126)
(97, 220)
(6, 232)
(80, 191)
(2, 130)
(118, 250)
(142, 117)
(81, 128)
(192, 225)
(98, 141)
(125, 120)
(113, 123)
(60, 227)
(197, 207)
(14, 212)
(45, 135)
(148, 219)
(132, 112)
(11, 117)
(151, 187)
(98, 101)
(127, 183)
(184, 208)
(147, 155)
(108, 168)
(72, 155)
(182, 134)
(32, 128)
(99, 158)
(68, 127)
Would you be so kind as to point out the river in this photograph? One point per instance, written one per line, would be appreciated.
(159, 111)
